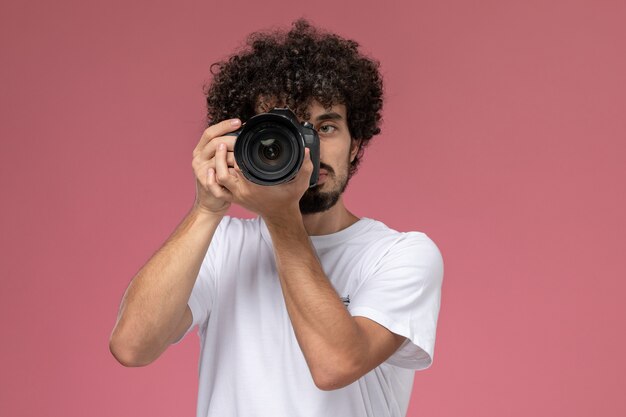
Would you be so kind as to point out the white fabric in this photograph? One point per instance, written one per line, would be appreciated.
(250, 361)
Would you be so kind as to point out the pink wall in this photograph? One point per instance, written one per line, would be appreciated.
(504, 140)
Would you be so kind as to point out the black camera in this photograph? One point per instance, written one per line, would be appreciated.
(270, 147)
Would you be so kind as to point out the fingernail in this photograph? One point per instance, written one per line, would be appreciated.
(235, 122)
(222, 146)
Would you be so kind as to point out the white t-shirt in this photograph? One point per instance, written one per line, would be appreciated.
(250, 361)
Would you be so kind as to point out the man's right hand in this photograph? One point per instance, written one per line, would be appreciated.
(154, 311)
(203, 164)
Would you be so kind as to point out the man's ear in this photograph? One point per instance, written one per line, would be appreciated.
(354, 148)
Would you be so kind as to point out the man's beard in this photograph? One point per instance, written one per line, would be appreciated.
(316, 201)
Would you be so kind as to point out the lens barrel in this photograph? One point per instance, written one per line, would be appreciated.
(270, 147)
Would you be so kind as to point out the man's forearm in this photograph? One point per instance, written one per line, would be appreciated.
(157, 297)
(329, 337)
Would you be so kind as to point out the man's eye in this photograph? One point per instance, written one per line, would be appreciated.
(327, 129)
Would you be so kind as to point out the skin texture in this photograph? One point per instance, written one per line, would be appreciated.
(338, 348)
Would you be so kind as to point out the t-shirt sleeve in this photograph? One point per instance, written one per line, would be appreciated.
(201, 298)
(403, 294)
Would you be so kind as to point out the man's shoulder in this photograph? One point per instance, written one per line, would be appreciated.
(373, 239)
(380, 230)
(389, 242)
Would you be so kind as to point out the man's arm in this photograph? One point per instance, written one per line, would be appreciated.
(338, 348)
(154, 310)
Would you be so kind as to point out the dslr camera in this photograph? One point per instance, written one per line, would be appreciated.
(270, 146)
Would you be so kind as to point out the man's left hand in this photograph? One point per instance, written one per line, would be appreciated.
(267, 201)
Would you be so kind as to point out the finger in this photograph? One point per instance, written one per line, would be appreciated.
(236, 166)
(307, 157)
(209, 149)
(221, 167)
(307, 164)
(230, 161)
(306, 169)
(217, 130)
(217, 190)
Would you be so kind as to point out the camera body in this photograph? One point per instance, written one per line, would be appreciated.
(270, 146)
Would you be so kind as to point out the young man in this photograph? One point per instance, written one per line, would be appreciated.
(306, 310)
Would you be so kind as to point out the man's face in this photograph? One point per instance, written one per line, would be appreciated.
(337, 150)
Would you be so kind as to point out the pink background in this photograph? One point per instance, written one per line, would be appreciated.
(504, 140)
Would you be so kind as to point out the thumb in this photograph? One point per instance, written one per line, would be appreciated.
(307, 168)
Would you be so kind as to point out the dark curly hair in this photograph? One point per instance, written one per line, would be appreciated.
(294, 68)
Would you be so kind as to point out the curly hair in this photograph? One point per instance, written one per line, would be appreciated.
(294, 68)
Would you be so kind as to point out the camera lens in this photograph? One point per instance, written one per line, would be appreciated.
(269, 151)
(270, 147)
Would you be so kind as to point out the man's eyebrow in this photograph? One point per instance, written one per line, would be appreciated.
(328, 116)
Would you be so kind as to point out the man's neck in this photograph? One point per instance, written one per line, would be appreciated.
(330, 221)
